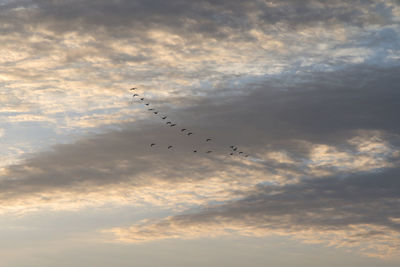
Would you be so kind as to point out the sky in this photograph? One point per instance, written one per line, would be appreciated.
(309, 89)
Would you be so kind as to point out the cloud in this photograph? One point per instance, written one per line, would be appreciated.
(61, 58)
(309, 128)
(209, 17)
(232, 70)
(307, 88)
(354, 211)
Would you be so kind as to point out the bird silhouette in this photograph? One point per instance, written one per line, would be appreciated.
(234, 148)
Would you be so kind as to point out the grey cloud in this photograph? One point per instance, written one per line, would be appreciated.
(328, 203)
(107, 159)
(205, 17)
(324, 107)
(320, 108)
(91, 33)
(354, 211)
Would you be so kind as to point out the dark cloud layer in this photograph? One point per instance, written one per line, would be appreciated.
(318, 107)
(359, 210)
(371, 198)
(321, 108)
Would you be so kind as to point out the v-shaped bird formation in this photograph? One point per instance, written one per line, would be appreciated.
(233, 149)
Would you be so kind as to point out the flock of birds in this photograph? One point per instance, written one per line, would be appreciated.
(233, 149)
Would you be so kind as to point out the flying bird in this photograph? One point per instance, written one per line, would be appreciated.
(183, 130)
(172, 125)
(152, 144)
(135, 95)
(169, 147)
(168, 122)
(164, 117)
(208, 139)
(133, 88)
(189, 133)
